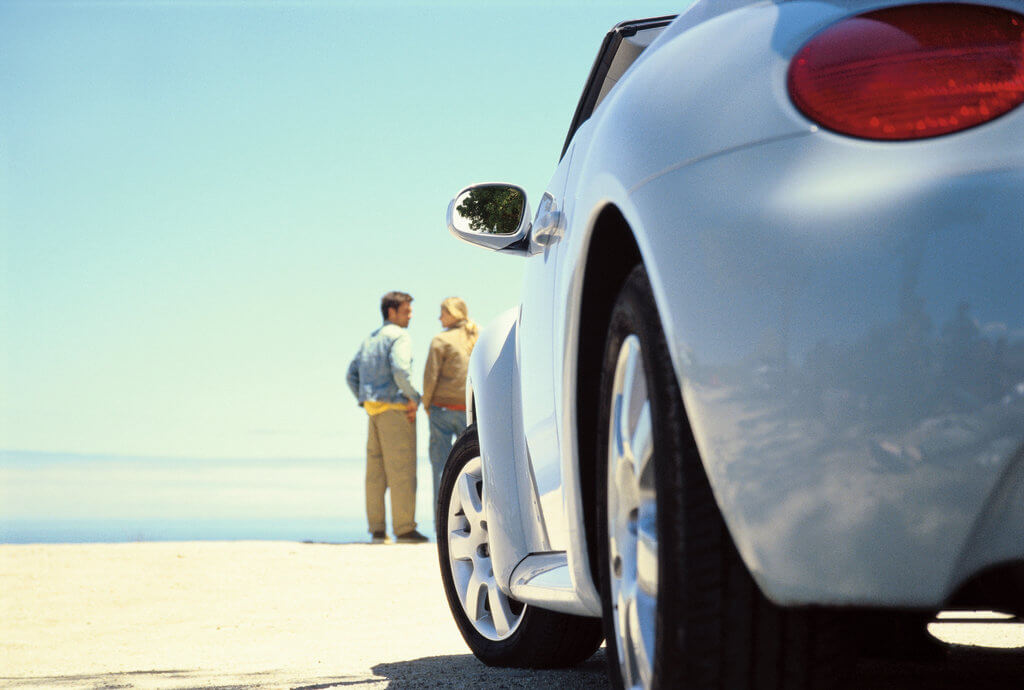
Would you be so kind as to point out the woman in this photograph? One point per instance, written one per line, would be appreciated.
(444, 382)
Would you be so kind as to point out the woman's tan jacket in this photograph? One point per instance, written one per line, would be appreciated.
(444, 378)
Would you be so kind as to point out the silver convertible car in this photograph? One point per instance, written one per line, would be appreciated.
(765, 386)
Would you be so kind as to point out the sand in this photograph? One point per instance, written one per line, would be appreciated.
(237, 614)
(272, 615)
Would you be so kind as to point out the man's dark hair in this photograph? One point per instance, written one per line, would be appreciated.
(393, 300)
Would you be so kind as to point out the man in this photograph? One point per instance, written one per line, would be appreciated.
(379, 377)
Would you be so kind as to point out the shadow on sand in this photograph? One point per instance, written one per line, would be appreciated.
(465, 671)
(964, 667)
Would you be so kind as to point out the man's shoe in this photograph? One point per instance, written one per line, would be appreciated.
(411, 537)
(380, 538)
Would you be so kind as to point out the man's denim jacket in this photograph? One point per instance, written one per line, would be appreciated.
(382, 368)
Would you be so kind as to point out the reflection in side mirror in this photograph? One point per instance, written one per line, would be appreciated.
(492, 215)
(493, 209)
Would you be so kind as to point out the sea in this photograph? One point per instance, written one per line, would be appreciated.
(70, 498)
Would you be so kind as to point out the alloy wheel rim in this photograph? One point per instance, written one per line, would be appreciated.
(490, 611)
(632, 518)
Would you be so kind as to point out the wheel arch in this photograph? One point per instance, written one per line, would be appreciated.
(612, 254)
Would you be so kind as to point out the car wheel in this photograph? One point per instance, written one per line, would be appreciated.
(499, 630)
(680, 608)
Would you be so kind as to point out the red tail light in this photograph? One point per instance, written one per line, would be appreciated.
(912, 72)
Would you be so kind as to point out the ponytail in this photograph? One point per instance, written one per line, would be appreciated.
(457, 308)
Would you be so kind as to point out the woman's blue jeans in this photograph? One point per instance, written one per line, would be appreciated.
(445, 425)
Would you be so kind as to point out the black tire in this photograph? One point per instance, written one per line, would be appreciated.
(716, 629)
(542, 639)
(896, 635)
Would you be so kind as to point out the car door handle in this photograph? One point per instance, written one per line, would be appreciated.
(549, 228)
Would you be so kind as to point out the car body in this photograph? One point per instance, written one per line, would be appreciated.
(844, 320)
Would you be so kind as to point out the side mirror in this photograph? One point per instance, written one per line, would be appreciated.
(491, 215)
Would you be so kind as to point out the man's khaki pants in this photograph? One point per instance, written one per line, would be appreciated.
(391, 464)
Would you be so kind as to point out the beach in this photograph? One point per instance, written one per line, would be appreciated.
(294, 615)
(238, 615)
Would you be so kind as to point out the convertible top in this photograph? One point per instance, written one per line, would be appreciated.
(620, 49)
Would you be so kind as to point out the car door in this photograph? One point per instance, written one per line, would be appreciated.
(542, 329)
(537, 354)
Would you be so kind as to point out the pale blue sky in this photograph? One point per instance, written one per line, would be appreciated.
(202, 203)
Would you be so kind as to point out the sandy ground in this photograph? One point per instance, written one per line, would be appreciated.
(292, 615)
(238, 615)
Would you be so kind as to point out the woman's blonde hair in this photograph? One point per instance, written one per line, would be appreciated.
(457, 308)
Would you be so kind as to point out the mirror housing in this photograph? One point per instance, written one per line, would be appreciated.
(492, 215)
